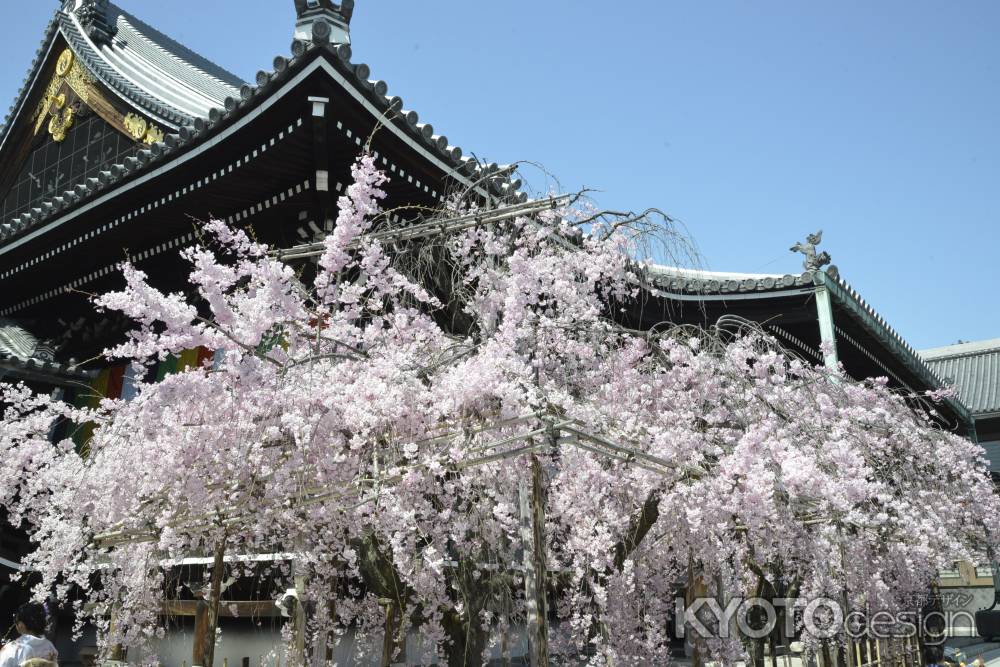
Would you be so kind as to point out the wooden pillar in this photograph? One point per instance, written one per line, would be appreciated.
(206, 615)
(199, 652)
(532, 506)
(847, 650)
(329, 637)
(117, 652)
(696, 588)
(394, 641)
(218, 571)
(299, 614)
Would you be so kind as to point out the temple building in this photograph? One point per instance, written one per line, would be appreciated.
(121, 139)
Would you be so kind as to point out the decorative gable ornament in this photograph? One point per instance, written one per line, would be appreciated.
(93, 16)
(142, 130)
(71, 84)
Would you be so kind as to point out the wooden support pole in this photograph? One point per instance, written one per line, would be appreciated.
(394, 641)
(199, 652)
(206, 614)
(117, 652)
(847, 649)
(218, 571)
(532, 506)
(696, 588)
(299, 614)
(329, 637)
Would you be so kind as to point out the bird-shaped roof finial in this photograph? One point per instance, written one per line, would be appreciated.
(814, 261)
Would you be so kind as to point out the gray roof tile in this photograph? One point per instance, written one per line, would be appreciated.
(974, 368)
(166, 69)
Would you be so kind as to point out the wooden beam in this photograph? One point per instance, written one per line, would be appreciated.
(243, 608)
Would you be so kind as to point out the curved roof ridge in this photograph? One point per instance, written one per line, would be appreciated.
(151, 78)
(174, 49)
(120, 84)
(152, 70)
(710, 275)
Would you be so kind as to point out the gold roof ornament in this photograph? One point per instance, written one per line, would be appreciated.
(153, 135)
(64, 63)
(61, 121)
(142, 130)
(69, 77)
(136, 125)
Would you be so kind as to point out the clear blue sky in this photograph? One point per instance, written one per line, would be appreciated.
(753, 123)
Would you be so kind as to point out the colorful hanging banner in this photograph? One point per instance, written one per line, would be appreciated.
(119, 382)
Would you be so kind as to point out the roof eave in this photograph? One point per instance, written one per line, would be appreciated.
(49, 372)
(848, 298)
(201, 131)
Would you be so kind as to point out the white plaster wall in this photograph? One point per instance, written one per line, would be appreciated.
(263, 645)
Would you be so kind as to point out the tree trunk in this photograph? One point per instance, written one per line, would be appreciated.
(468, 641)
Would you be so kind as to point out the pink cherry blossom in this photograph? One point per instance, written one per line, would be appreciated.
(354, 422)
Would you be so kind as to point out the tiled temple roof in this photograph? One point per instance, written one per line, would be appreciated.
(152, 70)
(973, 369)
(24, 356)
(158, 53)
(137, 62)
(674, 282)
